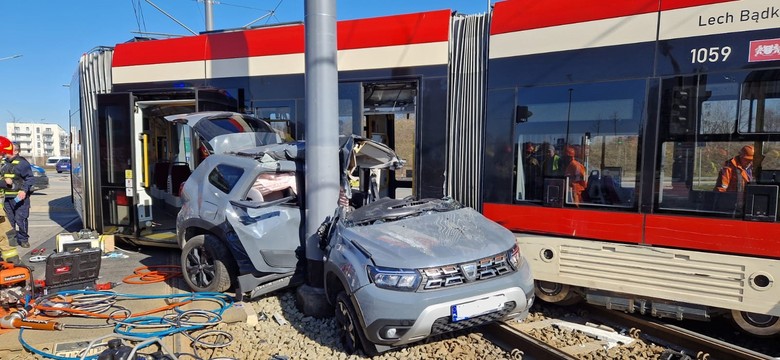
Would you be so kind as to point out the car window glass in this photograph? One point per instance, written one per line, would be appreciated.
(225, 177)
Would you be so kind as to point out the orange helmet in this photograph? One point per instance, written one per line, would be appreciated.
(570, 151)
(747, 152)
(6, 146)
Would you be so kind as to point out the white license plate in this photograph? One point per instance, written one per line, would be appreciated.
(479, 307)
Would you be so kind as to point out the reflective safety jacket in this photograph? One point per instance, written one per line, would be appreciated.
(20, 172)
(733, 177)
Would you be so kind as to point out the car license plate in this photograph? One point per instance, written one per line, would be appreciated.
(479, 307)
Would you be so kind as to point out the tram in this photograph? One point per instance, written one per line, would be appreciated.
(594, 130)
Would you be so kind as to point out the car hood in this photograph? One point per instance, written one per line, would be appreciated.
(433, 239)
(228, 131)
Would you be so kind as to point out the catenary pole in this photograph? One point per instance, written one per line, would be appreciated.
(209, 15)
(321, 99)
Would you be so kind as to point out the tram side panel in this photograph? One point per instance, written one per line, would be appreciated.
(625, 235)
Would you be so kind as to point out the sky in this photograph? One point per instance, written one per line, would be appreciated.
(51, 35)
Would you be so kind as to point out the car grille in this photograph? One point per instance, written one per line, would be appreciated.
(458, 274)
(445, 324)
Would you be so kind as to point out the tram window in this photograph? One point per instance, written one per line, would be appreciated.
(596, 125)
(690, 172)
(719, 104)
(760, 103)
(281, 118)
(225, 177)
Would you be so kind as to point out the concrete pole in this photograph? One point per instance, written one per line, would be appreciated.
(209, 15)
(322, 153)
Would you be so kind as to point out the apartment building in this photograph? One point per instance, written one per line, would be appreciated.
(39, 141)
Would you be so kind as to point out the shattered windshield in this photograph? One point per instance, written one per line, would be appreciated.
(387, 209)
(235, 132)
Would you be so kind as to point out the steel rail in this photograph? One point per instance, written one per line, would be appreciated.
(704, 346)
(509, 338)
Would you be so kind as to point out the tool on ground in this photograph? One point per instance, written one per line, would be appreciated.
(15, 283)
(18, 320)
(72, 270)
(117, 349)
(37, 255)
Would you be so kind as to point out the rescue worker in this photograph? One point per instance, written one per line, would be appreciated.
(551, 163)
(533, 173)
(7, 252)
(19, 179)
(737, 171)
(575, 173)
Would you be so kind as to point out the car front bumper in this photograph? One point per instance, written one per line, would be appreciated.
(395, 318)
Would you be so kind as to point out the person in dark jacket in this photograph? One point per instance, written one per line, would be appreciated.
(19, 179)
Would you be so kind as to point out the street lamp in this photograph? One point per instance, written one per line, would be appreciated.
(11, 57)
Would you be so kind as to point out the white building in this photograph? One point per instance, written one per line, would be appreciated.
(39, 141)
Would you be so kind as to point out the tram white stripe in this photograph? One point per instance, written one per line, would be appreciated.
(353, 59)
(689, 22)
(590, 34)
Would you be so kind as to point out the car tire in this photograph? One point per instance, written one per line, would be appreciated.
(350, 333)
(207, 265)
(59, 172)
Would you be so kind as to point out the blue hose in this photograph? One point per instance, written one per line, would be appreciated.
(127, 325)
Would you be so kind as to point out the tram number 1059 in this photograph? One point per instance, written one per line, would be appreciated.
(711, 55)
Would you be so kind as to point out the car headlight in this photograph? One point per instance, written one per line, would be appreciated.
(394, 279)
(514, 257)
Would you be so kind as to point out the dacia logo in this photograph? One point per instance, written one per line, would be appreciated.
(469, 271)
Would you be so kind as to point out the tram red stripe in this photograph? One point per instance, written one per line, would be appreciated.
(683, 232)
(717, 235)
(519, 15)
(607, 226)
(405, 29)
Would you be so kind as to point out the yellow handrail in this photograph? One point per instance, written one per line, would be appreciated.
(146, 159)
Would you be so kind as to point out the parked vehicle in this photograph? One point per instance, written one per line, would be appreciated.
(62, 165)
(41, 180)
(52, 161)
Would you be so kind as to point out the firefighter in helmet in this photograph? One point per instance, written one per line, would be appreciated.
(7, 252)
(19, 181)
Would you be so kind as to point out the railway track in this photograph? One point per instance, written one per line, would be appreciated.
(605, 334)
(700, 346)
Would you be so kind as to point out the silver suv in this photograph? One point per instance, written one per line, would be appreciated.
(396, 270)
(399, 271)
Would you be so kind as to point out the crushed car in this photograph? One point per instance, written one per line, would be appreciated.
(396, 270)
(401, 270)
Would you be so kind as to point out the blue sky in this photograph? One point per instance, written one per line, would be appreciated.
(51, 35)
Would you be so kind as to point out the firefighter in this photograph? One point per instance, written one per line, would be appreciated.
(7, 252)
(19, 179)
(737, 171)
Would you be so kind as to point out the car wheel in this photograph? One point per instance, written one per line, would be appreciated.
(59, 172)
(206, 264)
(350, 334)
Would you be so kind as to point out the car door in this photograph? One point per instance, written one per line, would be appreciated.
(266, 217)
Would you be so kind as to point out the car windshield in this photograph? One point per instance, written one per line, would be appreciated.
(386, 209)
(235, 131)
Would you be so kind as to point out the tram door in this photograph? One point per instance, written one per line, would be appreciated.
(390, 117)
(131, 143)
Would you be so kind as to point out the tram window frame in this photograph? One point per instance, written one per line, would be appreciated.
(280, 115)
(590, 131)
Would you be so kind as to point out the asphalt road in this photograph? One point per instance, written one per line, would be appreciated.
(51, 212)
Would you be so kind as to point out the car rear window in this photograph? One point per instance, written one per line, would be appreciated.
(225, 177)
